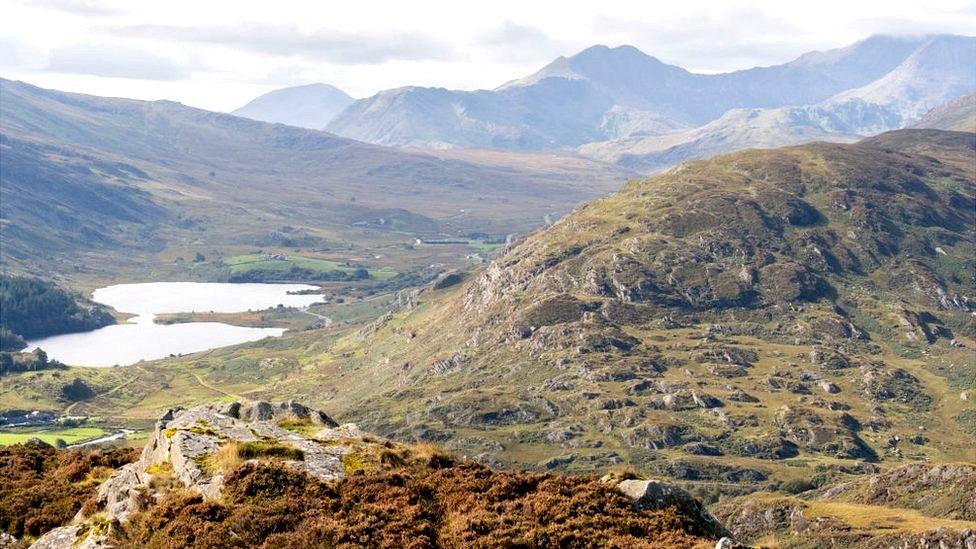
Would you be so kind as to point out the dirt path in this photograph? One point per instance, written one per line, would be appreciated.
(215, 389)
(327, 320)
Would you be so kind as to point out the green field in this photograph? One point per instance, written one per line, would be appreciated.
(248, 262)
(71, 435)
(486, 247)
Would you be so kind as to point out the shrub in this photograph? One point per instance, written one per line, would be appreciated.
(42, 488)
(796, 486)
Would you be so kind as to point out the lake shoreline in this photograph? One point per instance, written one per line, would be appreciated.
(141, 338)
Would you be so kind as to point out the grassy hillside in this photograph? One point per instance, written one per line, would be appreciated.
(90, 181)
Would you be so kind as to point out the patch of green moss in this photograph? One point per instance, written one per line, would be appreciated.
(254, 450)
(159, 468)
(203, 428)
(303, 427)
(94, 527)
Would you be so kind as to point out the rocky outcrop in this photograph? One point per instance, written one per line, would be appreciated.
(655, 495)
(945, 491)
(186, 450)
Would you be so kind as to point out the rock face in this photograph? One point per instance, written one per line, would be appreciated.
(185, 449)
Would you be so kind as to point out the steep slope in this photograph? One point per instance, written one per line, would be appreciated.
(310, 106)
(738, 319)
(936, 72)
(589, 96)
(89, 174)
(956, 115)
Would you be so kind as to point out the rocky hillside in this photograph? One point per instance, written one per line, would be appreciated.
(745, 321)
(956, 115)
(281, 475)
(911, 506)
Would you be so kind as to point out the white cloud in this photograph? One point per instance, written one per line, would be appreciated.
(84, 8)
(115, 61)
(239, 49)
(335, 46)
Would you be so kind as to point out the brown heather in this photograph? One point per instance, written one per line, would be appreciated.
(42, 488)
(444, 505)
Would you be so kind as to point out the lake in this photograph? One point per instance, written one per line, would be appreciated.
(142, 339)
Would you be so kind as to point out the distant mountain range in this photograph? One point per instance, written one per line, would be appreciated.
(311, 106)
(939, 70)
(621, 105)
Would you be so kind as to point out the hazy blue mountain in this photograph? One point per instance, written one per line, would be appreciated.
(939, 70)
(311, 106)
(582, 99)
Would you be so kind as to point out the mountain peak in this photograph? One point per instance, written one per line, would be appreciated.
(597, 63)
(310, 106)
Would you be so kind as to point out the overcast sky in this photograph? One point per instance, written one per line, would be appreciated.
(218, 55)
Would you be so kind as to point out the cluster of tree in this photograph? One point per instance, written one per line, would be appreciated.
(26, 362)
(32, 308)
(296, 273)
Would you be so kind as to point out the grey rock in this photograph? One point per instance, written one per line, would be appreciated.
(182, 442)
(489, 460)
(829, 387)
(653, 495)
(256, 411)
(232, 410)
(739, 395)
(66, 537)
(703, 400)
(558, 461)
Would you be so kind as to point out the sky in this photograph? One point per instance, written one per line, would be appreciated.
(218, 55)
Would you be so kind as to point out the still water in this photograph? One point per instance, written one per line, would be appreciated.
(143, 339)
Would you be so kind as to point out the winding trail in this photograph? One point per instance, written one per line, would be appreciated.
(215, 389)
(306, 310)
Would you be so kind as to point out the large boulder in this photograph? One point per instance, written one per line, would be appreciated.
(653, 495)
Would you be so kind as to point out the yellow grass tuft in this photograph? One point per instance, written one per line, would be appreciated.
(226, 459)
